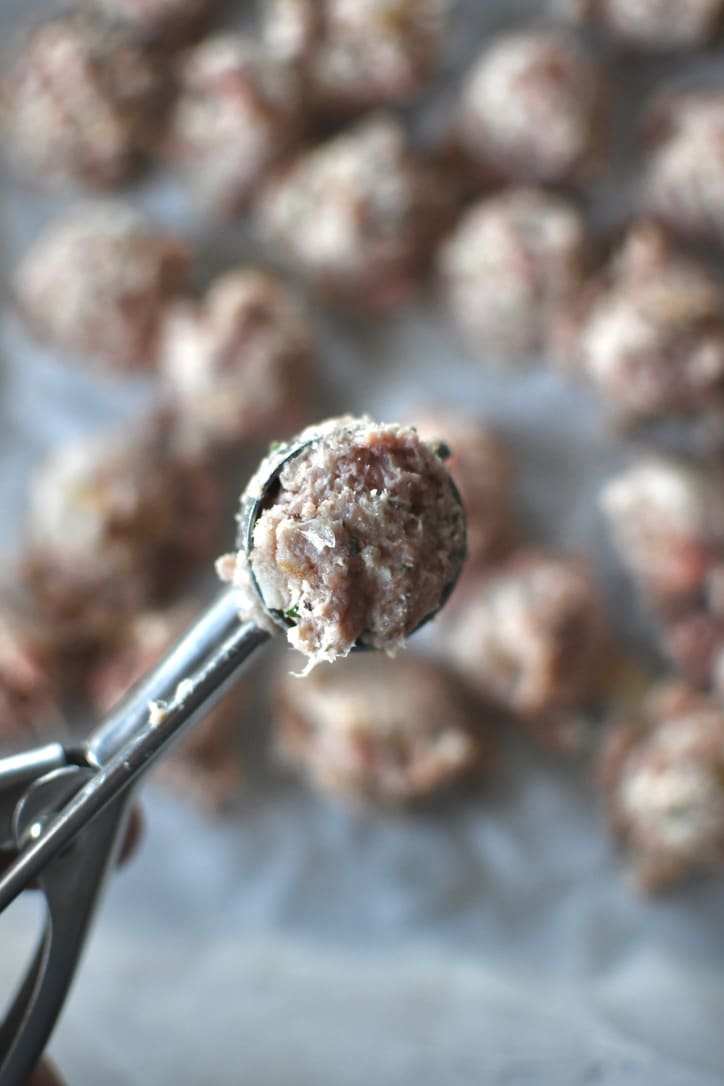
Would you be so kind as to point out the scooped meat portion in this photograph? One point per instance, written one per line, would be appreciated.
(29, 707)
(648, 333)
(361, 541)
(356, 54)
(236, 114)
(662, 776)
(357, 216)
(238, 364)
(380, 731)
(684, 178)
(667, 521)
(649, 25)
(530, 636)
(116, 522)
(95, 285)
(171, 23)
(481, 469)
(83, 101)
(511, 263)
(530, 109)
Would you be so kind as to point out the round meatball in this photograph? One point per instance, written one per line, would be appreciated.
(357, 215)
(694, 642)
(513, 260)
(29, 707)
(96, 283)
(530, 108)
(667, 520)
(684, 176)
(116, 523)
(83, 102)
(237, 113)
(171, 23)
(357, 54)
(649, 334)
(360, 540)
(377, 731)
(204, 766)
(530, 636)
(481, 469)
(238, 365)
(662, 779)
(650, 25)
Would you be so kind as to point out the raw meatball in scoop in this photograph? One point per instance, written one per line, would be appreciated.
(360, 538)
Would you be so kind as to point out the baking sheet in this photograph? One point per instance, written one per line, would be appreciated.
(489, 939)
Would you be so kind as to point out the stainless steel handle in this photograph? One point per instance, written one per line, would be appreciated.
(130, 740)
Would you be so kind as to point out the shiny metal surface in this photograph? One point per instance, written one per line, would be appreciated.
(65, 812)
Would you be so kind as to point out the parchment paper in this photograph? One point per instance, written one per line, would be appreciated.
(490, 939)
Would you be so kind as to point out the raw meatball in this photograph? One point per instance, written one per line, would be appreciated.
(116, 523)
(357, 215)
(684, 179)
(204, 766)
(237, 114)
(356, 54)
(656, 25)
(379, 731)
(83, 102)
(530, 109)
(96, 283)
(510, 264)
(238, 365)
(29, 708)
(171, 23)
(361, 542)
(694, 642)
(530, 636)
(649, 334)
(667, 520)
(662, 778)
(481, 470)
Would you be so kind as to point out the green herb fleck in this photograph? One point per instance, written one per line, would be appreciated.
(274, 446)
(293, 613)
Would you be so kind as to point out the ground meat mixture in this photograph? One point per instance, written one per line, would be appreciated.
(116, 522)
(530, 109)
(684, 177)
(513, 260)
(29, 709)
(656, 25)
(530, 636)
(204, 766)
(362, 541)
(357, 215)
(83, 101)
(237, 114)
(95, 285)
(380, 731)
(171, 23)
(357, 54)
(662, 778)
(481, 469)
(667, 521)
(694, 642)
(648, 333)
(238, 365)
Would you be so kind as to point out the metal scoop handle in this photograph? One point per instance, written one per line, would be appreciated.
(64, 813)
(184, 685)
